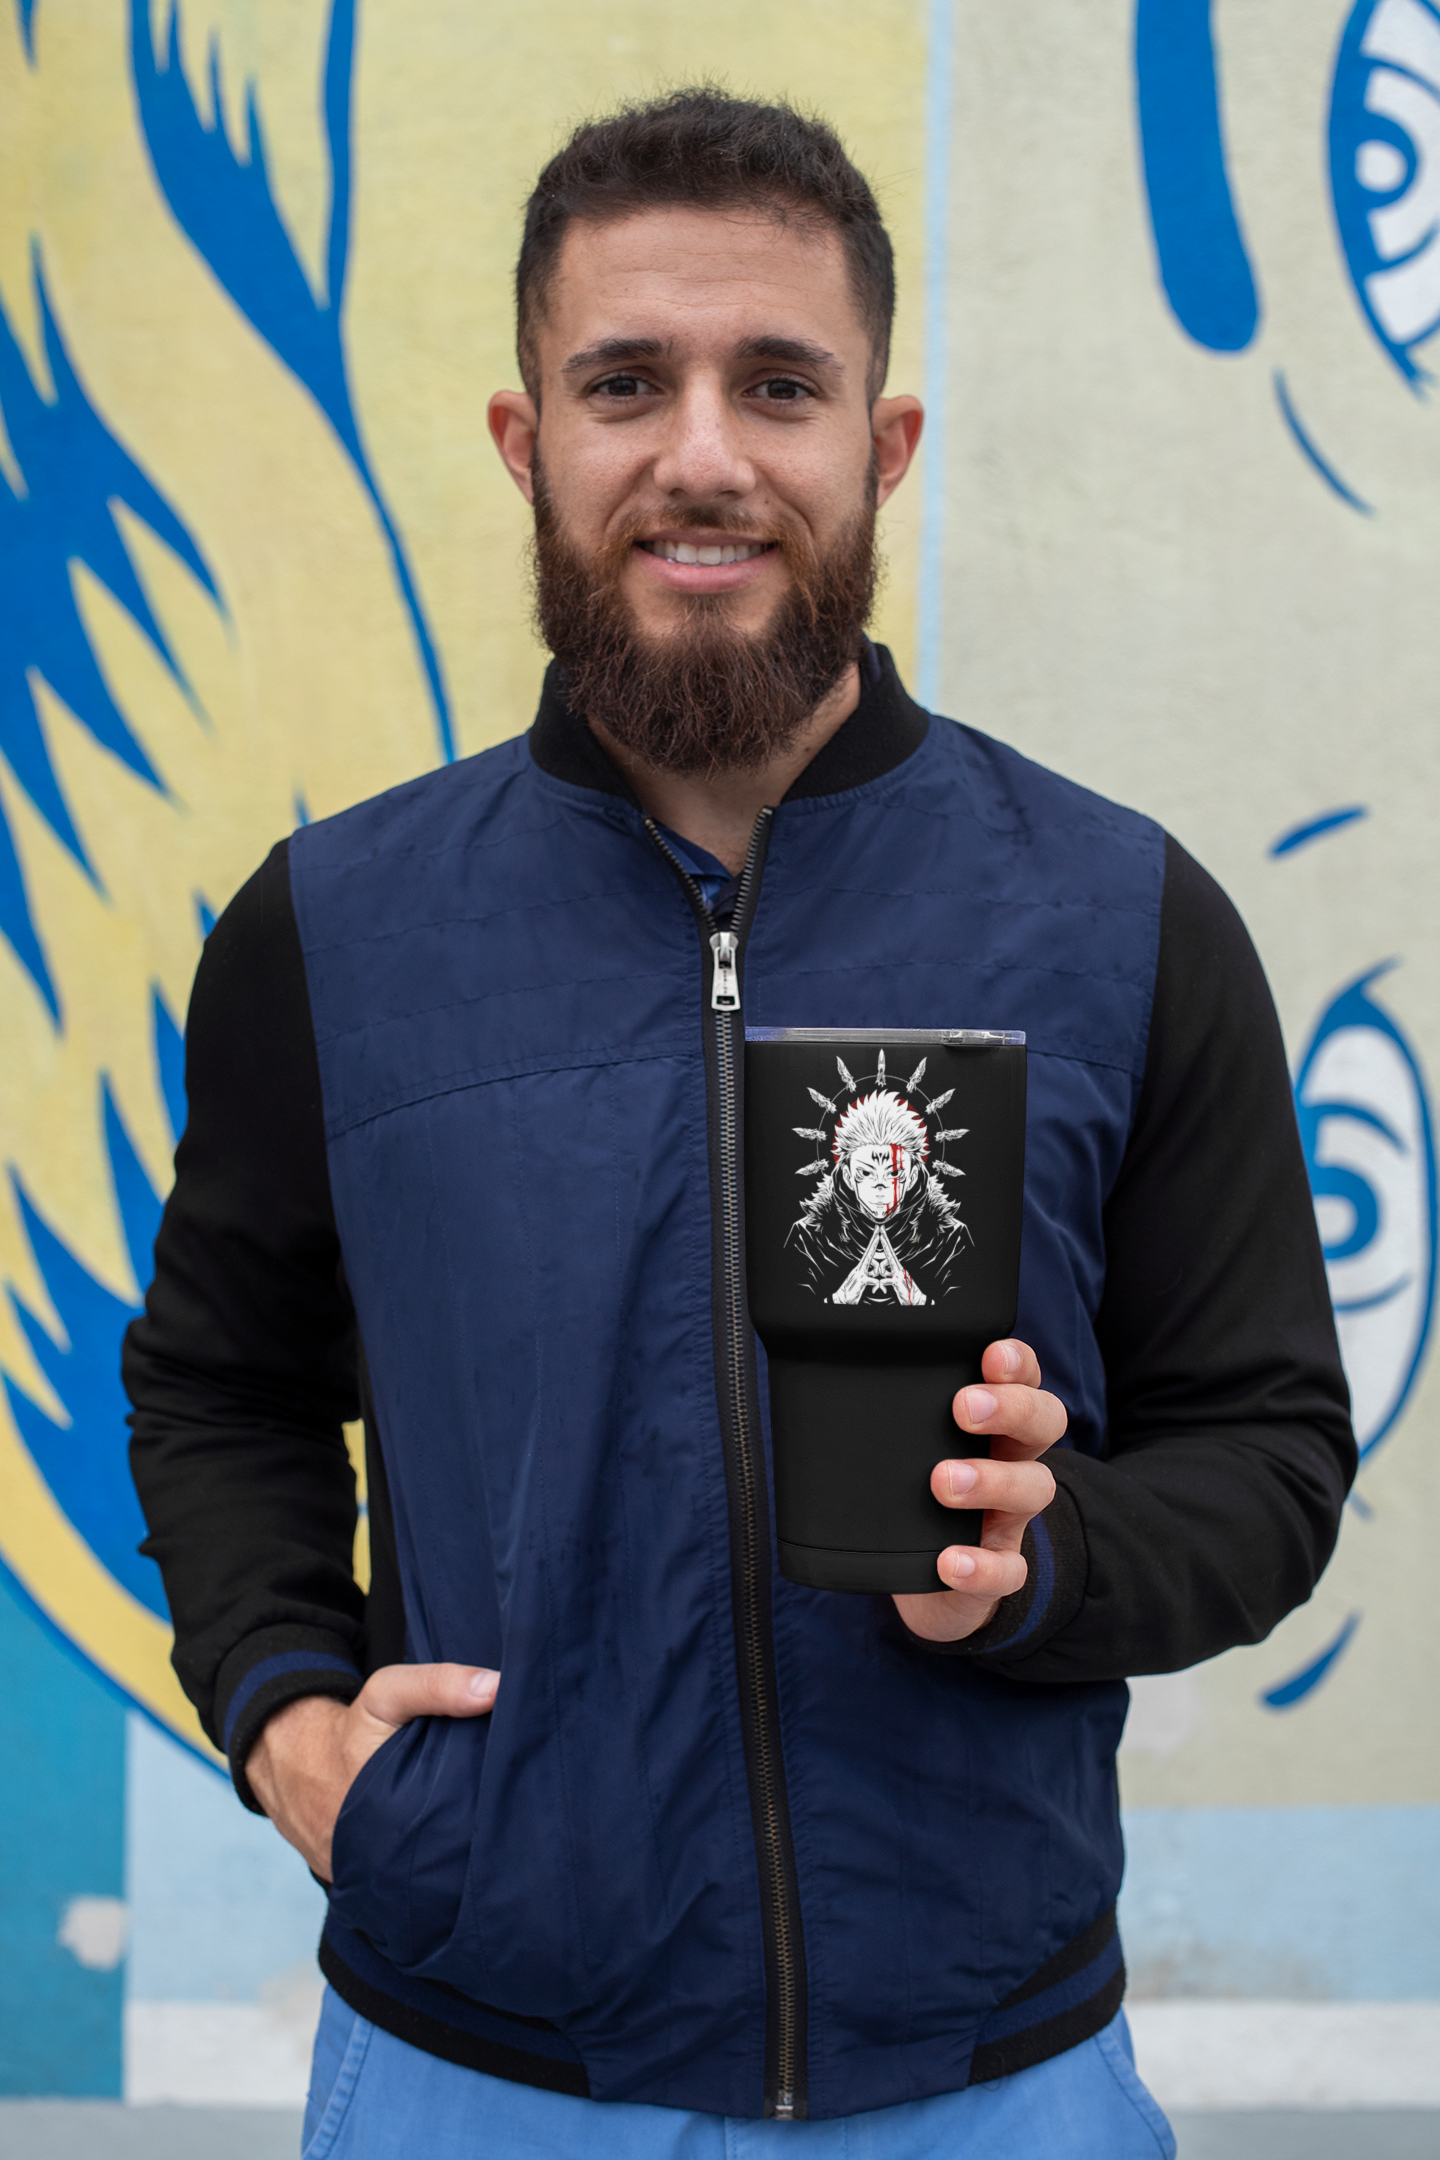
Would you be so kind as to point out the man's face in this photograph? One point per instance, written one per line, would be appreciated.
(703, 394)
(711, 362)
(880, 1177)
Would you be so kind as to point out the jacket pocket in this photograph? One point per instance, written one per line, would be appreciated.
(402, 1841)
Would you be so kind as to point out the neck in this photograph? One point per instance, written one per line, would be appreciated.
(718, 810)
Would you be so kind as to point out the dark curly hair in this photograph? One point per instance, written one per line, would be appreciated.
(703, 149)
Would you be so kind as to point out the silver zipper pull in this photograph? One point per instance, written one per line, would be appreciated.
(725, 989)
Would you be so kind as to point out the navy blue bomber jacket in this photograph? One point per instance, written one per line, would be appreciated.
(461, 1131)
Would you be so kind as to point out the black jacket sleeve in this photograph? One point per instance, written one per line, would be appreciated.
(1229, 1449)
(242, 1369)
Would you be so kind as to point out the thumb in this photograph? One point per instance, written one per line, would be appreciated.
(397, 1693)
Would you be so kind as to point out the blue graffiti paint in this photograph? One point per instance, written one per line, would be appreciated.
(170, 1066)
(1384, 141)
(227, 207)
(1349, 1183)
(74, 471)
(1303, 1683)
(85, 1464)
(1309, 829)
(228, 210)
(337, 97)
(1204, 266)
(25, 9)
(1309, 450)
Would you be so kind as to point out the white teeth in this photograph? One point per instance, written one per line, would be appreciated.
(708, 558)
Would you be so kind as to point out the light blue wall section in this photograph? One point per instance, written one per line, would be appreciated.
(61, 1795)
(219, 1904)
(1323, 1903)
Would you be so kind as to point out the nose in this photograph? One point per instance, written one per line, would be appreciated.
(703, 455)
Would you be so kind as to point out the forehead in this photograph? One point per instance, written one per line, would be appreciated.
(701, 279)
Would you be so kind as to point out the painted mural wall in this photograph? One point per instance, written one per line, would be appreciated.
(1170, 274)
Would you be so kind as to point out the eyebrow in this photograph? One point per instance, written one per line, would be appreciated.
(799, 352)
(610, 351)
(613, 352)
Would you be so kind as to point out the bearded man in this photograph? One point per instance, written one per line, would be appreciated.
(719, 1853)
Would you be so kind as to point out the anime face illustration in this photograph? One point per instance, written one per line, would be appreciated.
(880, 1227)
(880, 1176)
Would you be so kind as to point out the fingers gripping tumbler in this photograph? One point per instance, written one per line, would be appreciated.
(884, 1175)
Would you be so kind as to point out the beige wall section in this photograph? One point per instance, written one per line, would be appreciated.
(1150, 589)
(458, 107)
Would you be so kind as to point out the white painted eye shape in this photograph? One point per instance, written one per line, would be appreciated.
(1380, 167)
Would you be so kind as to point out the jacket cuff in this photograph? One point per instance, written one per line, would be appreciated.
(1057, 1566)
(263, 1673)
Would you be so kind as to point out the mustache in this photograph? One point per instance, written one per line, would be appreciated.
(788, 536)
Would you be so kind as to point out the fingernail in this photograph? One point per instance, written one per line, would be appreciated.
(961, 1564)
(979, 1405)
(962, 1477)
(1009, 1357)
(482, 1682)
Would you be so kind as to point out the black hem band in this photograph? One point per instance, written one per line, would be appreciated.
(1072, 1996)
(471, 2051)
(1003, 2058)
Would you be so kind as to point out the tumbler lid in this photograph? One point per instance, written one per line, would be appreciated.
(961, 1038)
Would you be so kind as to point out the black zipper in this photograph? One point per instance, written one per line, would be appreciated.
(739, 1396)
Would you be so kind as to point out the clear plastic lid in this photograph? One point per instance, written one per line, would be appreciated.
(958, 1038)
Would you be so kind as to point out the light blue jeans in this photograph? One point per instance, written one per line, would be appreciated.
(374, 2098)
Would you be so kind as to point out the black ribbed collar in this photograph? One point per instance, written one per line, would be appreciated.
(886, 727)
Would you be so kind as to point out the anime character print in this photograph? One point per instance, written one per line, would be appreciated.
(879, 1226)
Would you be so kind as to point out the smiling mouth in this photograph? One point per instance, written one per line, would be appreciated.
(707, 558)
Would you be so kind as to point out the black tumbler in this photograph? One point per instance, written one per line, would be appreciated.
(884, 1175)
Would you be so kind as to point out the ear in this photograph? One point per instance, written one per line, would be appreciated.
(514, 424)
(895, 424)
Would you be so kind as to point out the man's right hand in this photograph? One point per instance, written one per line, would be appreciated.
(309, 1754)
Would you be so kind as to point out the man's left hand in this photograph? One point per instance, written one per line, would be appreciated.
(1021, 1421)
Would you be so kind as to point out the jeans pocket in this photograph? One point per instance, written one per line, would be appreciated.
(320, 2135)
(1113, 2044)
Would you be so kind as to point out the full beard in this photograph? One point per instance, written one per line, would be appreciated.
(706, 698)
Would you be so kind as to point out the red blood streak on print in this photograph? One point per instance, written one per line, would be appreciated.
(894, 1175)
